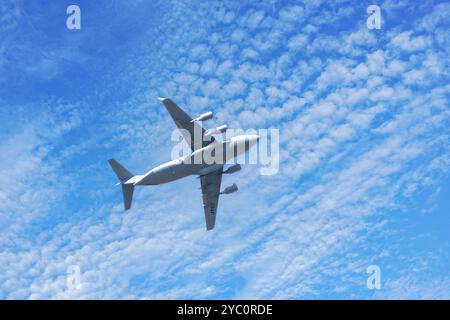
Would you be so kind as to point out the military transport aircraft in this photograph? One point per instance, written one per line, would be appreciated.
(206, 160)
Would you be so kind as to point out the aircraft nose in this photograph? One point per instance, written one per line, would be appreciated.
(253, 138)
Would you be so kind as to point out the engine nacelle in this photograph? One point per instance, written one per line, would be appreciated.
(233, 169)
(204, 116)
(217, 130)
(230, 189)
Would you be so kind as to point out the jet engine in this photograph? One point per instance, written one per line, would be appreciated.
(230, 189)
(233, 169)
(217, 130)
(203, 117)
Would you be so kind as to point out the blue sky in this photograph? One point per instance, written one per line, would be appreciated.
(364, 149)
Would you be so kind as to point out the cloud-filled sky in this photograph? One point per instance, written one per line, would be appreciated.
(364, 123)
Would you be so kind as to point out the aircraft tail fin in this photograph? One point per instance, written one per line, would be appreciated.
(123, 175)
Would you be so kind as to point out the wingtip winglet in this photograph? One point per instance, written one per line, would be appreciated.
(161, 99)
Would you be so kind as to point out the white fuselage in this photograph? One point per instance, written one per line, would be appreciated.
(200, 162)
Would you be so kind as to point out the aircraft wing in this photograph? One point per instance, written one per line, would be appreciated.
(187, 127)
(211, 192)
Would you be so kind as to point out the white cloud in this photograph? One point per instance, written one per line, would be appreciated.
(211, 87)
(254, 19)
(298, 42)
(208, 67)
(292, 14)
(233, 88)
(406, 42)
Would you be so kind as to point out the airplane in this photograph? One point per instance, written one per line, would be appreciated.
(204, 148)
